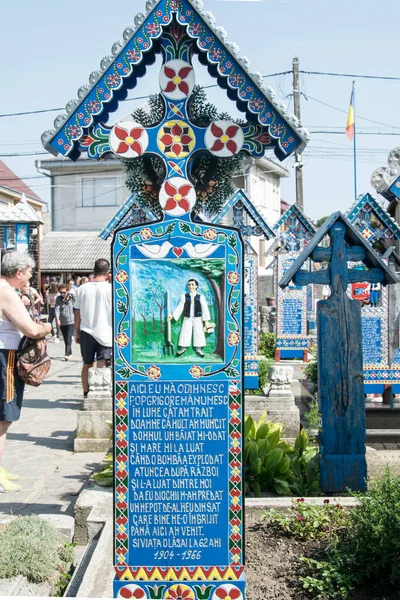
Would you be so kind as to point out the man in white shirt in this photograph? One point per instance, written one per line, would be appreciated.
(195, 311)
(93, 320)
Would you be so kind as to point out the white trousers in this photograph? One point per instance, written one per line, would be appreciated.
(189, 325)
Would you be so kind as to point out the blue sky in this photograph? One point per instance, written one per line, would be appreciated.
(48, 49)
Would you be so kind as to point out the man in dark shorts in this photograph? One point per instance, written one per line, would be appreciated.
(93, 320)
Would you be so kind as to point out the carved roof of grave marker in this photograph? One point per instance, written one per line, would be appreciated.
(371, 204)
(130, 57)
(294, 210)
(352, 238)
(124, 216)
(240, 197)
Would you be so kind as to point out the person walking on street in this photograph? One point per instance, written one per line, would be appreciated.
(93, 321)
(51, 303)
(16, 271)
(65, 317)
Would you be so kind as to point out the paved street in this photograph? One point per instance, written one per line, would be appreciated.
(40, 445)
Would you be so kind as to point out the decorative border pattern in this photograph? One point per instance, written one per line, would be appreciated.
(106, 85)
(231, 369)
(233, 572)
(121, 472)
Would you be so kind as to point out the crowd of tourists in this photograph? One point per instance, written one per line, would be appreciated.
(80, 310)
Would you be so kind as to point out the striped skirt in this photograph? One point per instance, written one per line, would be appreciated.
(11, 387)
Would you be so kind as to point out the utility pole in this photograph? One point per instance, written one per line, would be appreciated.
(299, 160)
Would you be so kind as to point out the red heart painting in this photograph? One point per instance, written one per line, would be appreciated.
(177, 251)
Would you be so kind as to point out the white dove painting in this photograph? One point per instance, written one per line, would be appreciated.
(155, 250)
(199, 250)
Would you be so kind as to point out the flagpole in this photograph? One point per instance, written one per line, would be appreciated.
(354, 146)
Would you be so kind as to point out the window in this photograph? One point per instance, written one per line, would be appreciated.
(99, 191)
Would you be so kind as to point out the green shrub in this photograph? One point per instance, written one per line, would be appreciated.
(267, 345)
(326, 579)
(271, 464)
(263, 370)
(366, 552)
(31, 547)
(311, 372)
(375, 530)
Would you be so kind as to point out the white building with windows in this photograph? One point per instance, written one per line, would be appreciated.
(86, 194)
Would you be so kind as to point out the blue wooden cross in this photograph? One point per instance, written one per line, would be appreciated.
(340, 367)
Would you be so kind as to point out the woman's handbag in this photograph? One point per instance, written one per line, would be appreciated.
(33, 362)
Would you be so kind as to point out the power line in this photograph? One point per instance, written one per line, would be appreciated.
(346, 112)
(352, 75)
(47, 110)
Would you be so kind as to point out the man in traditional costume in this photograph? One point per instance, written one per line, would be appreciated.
(195, 311)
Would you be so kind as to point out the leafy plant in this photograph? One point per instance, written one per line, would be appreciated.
(267, 344)
(273, 464)
(307, 521)
(266, 459)
(311, 372)
(326, 579)
(263, 370)
(304, 463)
(311, 417)
(32, 547)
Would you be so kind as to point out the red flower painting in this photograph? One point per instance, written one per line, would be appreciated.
(176, 139)
(224, 139)
(177, 79)
(129, 139)
(177, 196)
(224, 594)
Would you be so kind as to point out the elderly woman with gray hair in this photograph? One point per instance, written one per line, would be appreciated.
(16, 271)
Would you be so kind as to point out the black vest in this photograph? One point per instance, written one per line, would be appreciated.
(197, 306)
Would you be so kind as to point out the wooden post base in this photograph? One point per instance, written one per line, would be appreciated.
(342, 471)
(277, 356)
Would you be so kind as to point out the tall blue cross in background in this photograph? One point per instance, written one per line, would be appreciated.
(340, 368)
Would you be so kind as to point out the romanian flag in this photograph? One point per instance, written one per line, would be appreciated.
(350, 117)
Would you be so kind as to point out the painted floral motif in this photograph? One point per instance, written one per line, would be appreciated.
(233, 338)
(196, 372)
(132, 591)
(129, 139)
(146, 233)
(227, 592)
(133, 55)
(121, 276)
(93, 106)
(177, 79)
(176, 139)
(153, 29)
(179, 592)
(177, 196)
(233, 277)
(210, 234)
(153, 372)
(113, 79)
(224, 138)
(122, 340)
